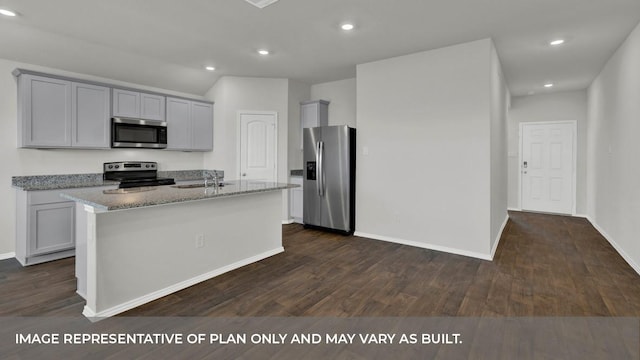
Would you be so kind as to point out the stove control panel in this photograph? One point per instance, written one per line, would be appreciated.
(130, 166)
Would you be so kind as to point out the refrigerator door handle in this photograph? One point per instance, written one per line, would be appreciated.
(320, 168)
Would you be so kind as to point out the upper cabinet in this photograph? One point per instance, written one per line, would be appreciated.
(313, 114)
(61, 112)
(90, 116)
(189, 125)
(58, 113)
(152, 107)
(133, 104)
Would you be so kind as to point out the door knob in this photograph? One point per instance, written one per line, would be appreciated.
(244, 174)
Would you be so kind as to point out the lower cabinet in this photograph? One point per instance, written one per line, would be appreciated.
(45, 226)
(51, 227)
(295, 200)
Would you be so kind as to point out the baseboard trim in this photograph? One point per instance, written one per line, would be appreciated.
(548, 213)
(497, 242)
(424, 245)
(96, 316)
(287, 222)
(513, 209)
(615, 245)
(8, 255)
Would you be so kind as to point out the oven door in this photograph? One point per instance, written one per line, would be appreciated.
(137, 133)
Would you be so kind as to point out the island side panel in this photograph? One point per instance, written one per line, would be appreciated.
(144, 253)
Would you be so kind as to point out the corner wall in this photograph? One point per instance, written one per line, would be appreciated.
(342, 97)
(555, 106)
(424, 155)
(232, 94)
(298, 92)
(613, 168)
(500, 99)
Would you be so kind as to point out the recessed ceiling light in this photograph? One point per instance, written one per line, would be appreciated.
(210, 68)
(556, 42)
(6, 12)
(263, 52)
(548, 85)
(347, 27)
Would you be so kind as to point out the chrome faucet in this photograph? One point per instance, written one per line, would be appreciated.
(214, 177)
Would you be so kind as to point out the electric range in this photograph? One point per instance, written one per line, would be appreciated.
(135, 174)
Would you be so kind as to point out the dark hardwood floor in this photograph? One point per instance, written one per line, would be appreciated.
(544, 266)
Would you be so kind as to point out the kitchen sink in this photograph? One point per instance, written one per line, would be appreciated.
(192, 186)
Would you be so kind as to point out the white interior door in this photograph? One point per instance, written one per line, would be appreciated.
(548, 167)
(258, 146)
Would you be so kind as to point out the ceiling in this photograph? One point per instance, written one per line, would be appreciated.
(167, 43)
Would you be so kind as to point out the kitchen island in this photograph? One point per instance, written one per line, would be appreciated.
(136, 245)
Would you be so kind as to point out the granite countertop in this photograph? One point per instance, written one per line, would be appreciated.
(157, 195)
(71, 181)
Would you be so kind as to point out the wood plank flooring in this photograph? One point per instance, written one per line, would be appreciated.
(545, 266)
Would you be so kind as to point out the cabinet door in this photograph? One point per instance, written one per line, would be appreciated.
(51, 227)
(309, 115)
(202, 126)
(152, 107)
(178, 124)
(126, 103)
(45, 112)
(308, 118)
(313, 114)
(90, 116)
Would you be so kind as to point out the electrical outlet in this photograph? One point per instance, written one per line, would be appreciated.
(199, 240)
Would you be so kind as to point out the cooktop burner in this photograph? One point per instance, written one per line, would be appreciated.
(135, 174)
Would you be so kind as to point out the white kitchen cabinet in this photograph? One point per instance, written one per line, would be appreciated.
(126, 103)
(296, 196)
(313, 114)
(90, 116)
(152, 107)
(45, 226)
(51, 227)
(202, 126)
(189, 125)
(44, 112)
(139, 105)
(55, 113)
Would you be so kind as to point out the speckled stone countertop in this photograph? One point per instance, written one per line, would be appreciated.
(51, 182)
(158, 195)
(71, 181)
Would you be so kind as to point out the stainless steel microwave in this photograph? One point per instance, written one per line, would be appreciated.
(138, 133)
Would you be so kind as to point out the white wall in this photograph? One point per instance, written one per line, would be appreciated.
(425, 120)
(613, 167)
(233, 94)
(342, 95)
(342, 109)
(555, 106)
(17, 162)
(500, 99)
(298, 92)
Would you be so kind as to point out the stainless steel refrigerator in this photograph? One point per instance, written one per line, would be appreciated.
(329, 178)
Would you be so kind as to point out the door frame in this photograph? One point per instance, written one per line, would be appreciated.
(239, 114)
(574, 129)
